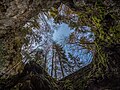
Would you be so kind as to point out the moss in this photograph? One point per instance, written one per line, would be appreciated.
(68, 85)
(80, 84)
(53, 82)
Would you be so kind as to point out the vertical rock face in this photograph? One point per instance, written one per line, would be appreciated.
(33, 77)
(104, 72)
(36, 78)
(13, 15)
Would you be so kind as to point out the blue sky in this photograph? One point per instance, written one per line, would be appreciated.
(62, 32)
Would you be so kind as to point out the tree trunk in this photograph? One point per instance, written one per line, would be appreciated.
(52, 63)
(45, 62)
(103, 73)
(55, 63)
(61, 65)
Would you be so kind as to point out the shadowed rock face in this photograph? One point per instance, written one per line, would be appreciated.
(36, 82)
(33, 77)
(36, 78)
(13, 15)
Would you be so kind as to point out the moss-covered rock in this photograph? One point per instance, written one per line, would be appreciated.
(33, 77)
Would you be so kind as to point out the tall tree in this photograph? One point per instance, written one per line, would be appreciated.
(102, 16)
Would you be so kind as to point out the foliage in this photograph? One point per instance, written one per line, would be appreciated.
(103, 19)
(68, 85)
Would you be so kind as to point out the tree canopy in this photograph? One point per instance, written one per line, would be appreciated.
(26, 36)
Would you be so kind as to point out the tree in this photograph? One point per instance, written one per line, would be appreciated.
(102, 16)
(59, 60)
(59, 57)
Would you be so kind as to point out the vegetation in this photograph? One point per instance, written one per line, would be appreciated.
(26, 37)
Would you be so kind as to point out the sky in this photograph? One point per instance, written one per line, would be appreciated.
(62, 32)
